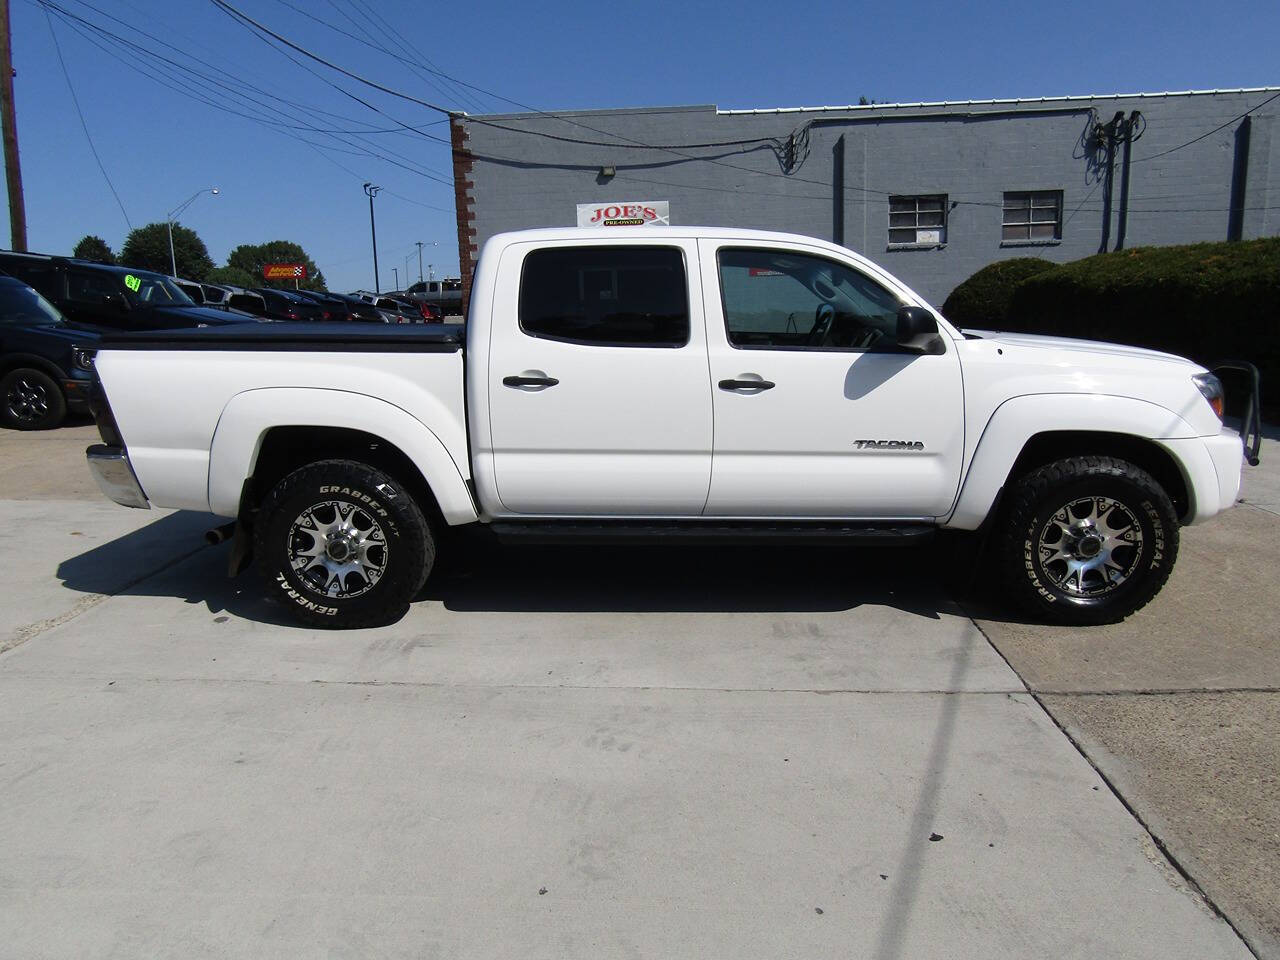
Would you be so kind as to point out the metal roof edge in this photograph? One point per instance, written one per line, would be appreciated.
(1016, 101)
(596, 112)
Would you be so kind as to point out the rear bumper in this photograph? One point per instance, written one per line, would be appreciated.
(114, 475)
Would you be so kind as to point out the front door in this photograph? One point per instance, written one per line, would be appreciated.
(843, 423)
(599, 400)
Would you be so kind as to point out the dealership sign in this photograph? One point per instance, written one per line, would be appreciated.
(284, 271)
(632, 213)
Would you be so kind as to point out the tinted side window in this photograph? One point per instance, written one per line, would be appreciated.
(776, 299)
(246, 302)
(620, 296)
(34, 273)
(89, 286)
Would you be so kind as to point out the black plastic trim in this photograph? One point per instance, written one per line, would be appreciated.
(711, 532)
(297, 337)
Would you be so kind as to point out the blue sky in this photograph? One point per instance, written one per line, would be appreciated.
(160, 145)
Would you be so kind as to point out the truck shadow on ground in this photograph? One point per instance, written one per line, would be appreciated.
(169, 558)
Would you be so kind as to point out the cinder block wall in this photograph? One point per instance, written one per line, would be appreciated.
(533, 174)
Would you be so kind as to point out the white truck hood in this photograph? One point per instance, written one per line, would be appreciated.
(1082, 346)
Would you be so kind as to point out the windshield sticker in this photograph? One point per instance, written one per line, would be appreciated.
(132, 282)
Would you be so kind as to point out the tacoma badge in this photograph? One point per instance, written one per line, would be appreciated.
(888, 444)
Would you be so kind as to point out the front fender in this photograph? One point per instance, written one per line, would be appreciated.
(248, 416)
(1018, 419)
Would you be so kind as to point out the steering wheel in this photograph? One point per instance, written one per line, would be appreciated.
(823, 320)
(869, 337)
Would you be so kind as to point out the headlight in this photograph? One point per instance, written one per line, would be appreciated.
(82, 357)
(1211, 387)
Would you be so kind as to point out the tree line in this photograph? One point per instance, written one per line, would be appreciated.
(147, 248)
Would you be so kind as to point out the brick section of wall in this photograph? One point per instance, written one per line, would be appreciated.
(464, 202)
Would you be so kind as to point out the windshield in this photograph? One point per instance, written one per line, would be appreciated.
(22, 305)
(153, 290)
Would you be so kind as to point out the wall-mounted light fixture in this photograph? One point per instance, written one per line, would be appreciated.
(607, 172)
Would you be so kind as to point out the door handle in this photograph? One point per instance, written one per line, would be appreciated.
(747, 384)
(529, 381)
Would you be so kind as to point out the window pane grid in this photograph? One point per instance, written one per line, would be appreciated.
(918, 219)
(1032, 215)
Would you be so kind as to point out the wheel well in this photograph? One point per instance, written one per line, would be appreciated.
(21, 360)
(1056, 445)
(285, 449)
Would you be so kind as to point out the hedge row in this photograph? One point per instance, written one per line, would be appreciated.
(1206, 301)
(982, 302)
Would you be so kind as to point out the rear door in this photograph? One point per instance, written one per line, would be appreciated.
(598, 393)
(843, 423)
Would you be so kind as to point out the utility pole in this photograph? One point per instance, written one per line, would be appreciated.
(370, 191)
(419, 261)
(12, 168)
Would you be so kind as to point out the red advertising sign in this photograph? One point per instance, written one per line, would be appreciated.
(284, 271)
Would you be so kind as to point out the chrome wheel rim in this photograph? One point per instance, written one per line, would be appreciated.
(337, 549)
(26, 400)
(1090, 546)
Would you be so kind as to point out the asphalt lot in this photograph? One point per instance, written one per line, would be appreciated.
(608, 753)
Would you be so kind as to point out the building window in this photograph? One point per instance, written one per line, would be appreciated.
(918, 220)
(1033, 215)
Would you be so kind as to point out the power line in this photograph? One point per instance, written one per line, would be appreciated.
(1202, 136)
(84, 126)
(173, 72)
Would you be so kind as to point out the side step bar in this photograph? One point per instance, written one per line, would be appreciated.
(709, 532)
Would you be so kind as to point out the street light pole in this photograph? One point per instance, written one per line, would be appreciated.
(419, 261)
(173, 261)
(395, 272)
(371, 191)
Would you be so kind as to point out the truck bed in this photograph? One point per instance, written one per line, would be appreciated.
(193, 406)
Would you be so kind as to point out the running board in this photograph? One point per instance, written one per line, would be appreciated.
(709, 532)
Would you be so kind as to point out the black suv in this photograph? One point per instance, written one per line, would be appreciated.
(117, 298)
(46, 366)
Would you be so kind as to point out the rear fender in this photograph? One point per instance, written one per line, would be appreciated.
(248, 417)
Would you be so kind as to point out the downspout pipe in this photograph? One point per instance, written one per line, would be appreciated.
(1129, 127)
(1110, 131)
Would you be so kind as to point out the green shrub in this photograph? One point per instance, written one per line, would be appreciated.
(1206, 301)
(982, 301)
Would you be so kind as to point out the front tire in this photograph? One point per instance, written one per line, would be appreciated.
(30, 399)
(1087, 540)
(342, 545)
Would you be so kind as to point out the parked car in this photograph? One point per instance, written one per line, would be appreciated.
(46, 365)
(103, 296)
(286, 305)
(332, 306)
(362, 310)
(445, 294)
(214, 294)
(687, 382)
(419, 310)
(192, 289)
(235, 299)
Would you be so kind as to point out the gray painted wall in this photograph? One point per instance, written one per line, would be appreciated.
(972, 153)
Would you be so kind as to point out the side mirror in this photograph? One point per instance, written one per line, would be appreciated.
(918, 331)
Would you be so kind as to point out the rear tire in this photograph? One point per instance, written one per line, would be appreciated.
(30, 399)
(342, 545)
(1087, 540)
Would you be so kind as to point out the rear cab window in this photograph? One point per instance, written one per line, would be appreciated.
(623, 296)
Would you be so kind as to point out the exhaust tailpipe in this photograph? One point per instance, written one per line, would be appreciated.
(220, 534)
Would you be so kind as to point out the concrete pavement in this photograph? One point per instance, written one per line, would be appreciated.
(556, 753)
(1179, 706)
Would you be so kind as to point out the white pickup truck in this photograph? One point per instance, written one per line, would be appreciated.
(688, 382)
